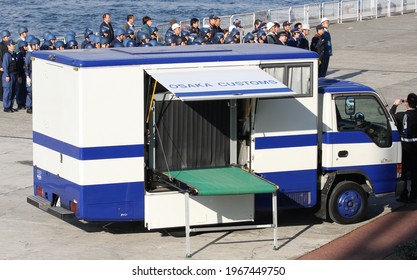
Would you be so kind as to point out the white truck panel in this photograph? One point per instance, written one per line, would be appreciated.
(167, 209)
(278, 160)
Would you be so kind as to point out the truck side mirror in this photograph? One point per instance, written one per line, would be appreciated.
(350, 106)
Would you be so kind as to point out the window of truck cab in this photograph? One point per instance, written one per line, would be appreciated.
(297, 77)
(366, 114)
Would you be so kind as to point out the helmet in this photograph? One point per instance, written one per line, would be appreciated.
(142, 36)
(129, 43)
(45, 34)
(234, 32)
(59, 44)
(130, 31)
(260, 33)
(45, 45)
(49, 37)
(69, 37)
(199, 41)
(229, 40)
(170, 39)
(35, 41)
(205, 31)
(104, 40)
(89, 46)
(153, 42)
(5, 33)
(22, 44)
(22, 30)
(29, 38)
(217, 37)
(179, 40)
(88, 32)
(119, 31)
(184, 33)
(71, 43)
(248, 37)
(95, 39)
(104, 29)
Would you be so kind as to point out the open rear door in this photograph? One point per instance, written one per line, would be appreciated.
(195, 126)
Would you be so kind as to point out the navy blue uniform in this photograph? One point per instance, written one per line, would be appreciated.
(407, 126)
(9, 80)
(327, 53)
(28, 74)
(21, 92)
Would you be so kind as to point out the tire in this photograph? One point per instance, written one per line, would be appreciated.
(348, 202)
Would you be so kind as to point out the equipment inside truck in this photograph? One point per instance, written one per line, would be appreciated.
(198, 140)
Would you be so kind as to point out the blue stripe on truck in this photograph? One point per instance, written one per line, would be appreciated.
(88, 153)
(290, 141)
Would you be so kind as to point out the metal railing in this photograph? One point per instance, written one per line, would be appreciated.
(335, 11)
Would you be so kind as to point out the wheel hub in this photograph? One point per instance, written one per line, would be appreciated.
(349, 203)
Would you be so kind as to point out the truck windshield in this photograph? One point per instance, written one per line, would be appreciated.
(368, 117)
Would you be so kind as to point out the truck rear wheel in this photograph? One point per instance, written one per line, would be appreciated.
(347, 203)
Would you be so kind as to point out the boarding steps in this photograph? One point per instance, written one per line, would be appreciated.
(46, 206)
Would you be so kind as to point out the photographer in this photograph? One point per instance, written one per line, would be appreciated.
(407, 126)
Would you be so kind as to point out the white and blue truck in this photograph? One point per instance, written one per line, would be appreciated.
(125, 134)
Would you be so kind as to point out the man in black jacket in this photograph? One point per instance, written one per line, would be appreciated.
(407, 127)
(107, 22)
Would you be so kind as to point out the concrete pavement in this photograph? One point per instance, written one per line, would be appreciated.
(380, 53)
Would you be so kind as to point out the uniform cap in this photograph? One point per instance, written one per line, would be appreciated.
(319, 27)
(282, 33)
(286, 23)
(306, 26)
(324, 19)
(269, 25)
(11, 42)
(262, 25)
(175, 26)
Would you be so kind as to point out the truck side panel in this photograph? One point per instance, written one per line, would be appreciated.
(285, 148)
(81, 141)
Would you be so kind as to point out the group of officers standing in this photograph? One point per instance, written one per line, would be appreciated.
(15, 56)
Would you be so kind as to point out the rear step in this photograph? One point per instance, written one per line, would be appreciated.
(45, 205)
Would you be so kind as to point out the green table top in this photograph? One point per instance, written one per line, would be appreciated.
(223, 181)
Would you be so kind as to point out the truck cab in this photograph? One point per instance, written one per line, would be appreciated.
(360, 149)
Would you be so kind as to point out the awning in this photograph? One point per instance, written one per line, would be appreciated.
(213, 83)
(222, 181)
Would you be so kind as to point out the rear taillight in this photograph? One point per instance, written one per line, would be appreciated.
(39, 191)
(399, 170)
(73, 206)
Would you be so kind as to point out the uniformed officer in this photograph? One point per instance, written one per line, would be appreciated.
(328, 49)
(5, 36)
(9, 77)
(303, 41)
(34, 46)
(407, 126)
(23, 32)
(21, 92)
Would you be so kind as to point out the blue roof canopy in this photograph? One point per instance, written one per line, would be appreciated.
(162, 55)
(342, 86)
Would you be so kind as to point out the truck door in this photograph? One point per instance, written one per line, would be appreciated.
(363, 139)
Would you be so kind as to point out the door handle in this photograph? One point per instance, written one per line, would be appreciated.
(343, 153)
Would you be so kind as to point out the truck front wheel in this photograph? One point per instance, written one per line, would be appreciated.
(347, 203)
